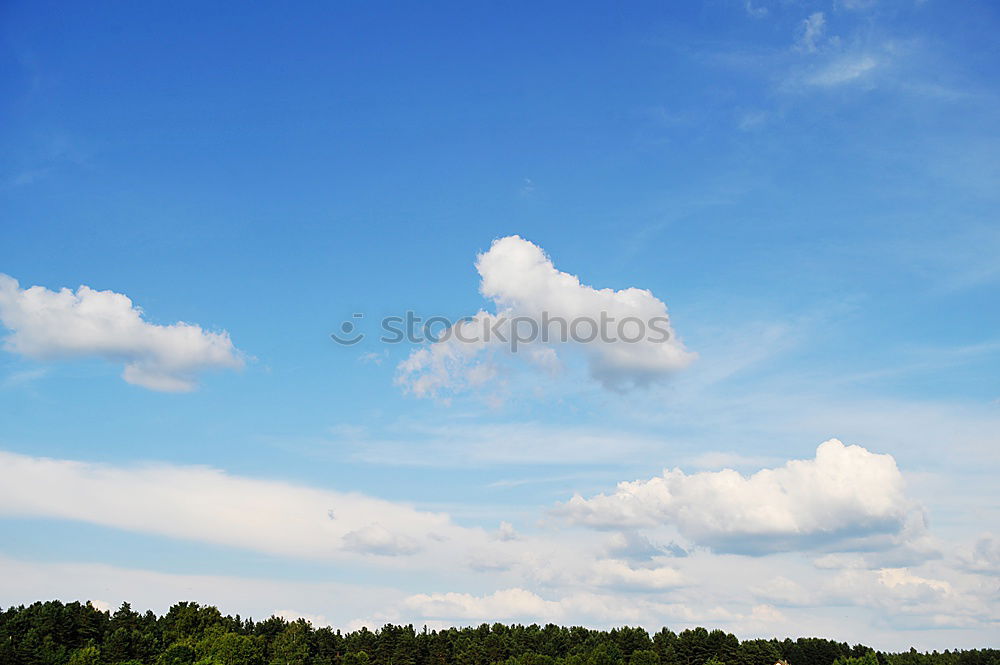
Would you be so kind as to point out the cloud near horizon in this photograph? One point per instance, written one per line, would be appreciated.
(846, 497)
(522, 282)
(47, 324)
(203, 504)
(838, 499)
(501, 604)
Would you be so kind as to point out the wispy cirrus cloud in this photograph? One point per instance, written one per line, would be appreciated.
(461, 444)
(842, 70)
(208, 505)
(811, 32)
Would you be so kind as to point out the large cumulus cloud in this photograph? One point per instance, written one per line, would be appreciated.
(845, 497)
(522, 282)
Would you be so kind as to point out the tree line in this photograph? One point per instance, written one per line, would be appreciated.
(56, 633)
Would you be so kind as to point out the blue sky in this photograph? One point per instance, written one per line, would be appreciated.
(809, 188)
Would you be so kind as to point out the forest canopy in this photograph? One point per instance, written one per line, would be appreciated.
(56, 633)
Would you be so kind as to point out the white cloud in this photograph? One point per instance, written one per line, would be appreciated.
(317, 620)
(845, 497)
(208, 505)
(506, 532)
(847, 69)
(618, 574)
(28, 581)
(894, 578)
(716, 601)
(503, 604)
(908, 599)
(811, 32)
(521, 604)
(63, 324)
(582, 608)
(373, 358)
(563, 575)
(525, 286)
(755, 12)
(854, 5)
(103, 606)
(28, 376)
(638, 547)
(376, 539)
(983, 556)
(750, 120)
(762, 618)
(460, 444)
(784, 591)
